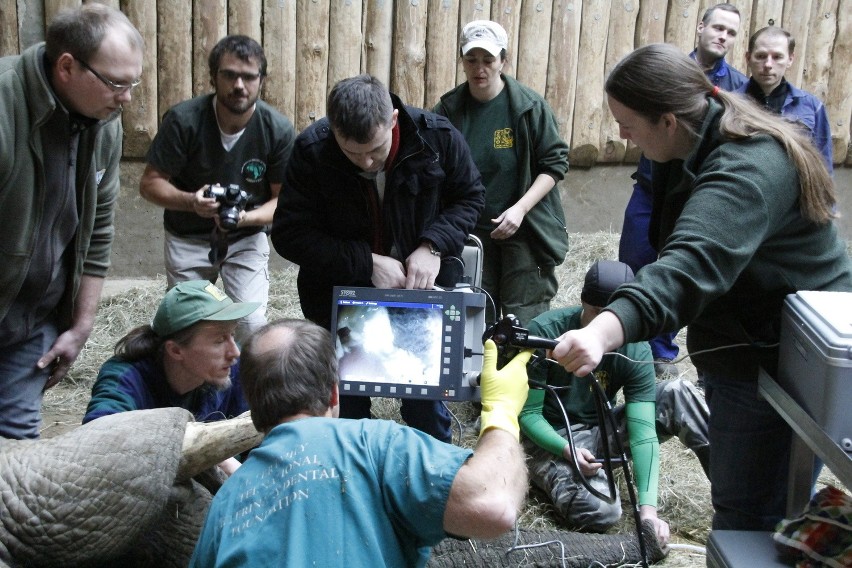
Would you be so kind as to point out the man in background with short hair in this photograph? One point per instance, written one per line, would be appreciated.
(226, 137)
(769, 56)
(60, 148)
(717, 33)
(379, 194)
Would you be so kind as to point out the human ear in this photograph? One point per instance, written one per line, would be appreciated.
(172, 349)
(63, 66)
(669, 121)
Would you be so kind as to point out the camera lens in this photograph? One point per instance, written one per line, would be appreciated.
(229, 217)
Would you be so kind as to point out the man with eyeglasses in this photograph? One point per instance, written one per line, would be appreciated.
(59, 180)
(230, 138)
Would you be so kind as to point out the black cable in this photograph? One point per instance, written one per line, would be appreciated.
(603, 409)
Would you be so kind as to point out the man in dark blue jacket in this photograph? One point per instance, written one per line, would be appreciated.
(378, 194)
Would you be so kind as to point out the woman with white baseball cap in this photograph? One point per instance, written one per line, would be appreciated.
(515, 142)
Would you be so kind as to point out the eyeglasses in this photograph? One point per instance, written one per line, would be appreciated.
(232, 76)
(116, 87)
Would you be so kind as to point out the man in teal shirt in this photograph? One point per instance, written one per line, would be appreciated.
(334, 492)
(652, 412)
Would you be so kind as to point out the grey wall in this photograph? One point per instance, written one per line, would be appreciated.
(594, 200)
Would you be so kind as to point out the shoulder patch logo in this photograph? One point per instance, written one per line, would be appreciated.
(504, 138)
(253, 170)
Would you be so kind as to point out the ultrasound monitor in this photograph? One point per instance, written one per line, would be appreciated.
(423, 344)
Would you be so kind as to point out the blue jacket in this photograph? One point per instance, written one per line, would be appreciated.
(802, 107)
(724, 76)
(122, 386)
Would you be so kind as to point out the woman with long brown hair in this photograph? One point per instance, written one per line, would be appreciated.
(742, 217)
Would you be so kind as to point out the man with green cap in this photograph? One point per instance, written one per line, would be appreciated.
(186, 357)
(653, 412)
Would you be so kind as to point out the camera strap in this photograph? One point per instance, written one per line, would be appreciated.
(218, 247)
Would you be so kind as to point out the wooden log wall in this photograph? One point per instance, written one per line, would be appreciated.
(561, 48)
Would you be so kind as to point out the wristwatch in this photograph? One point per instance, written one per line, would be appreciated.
(432, 248)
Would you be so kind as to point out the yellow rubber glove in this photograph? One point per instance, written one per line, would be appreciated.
(503, 392)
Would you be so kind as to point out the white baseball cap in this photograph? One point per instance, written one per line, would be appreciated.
(484, 34)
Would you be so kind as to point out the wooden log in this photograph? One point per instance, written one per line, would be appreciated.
(139, 117)
(174, 55)
(344, 47)
(311, 61)
(588, 108)
(209, 26)
(378, 39)
(651, 22)
(51, 7)
(534, 44)
(562, 65)
(650, 28)
(8, 27)
(736, 56)
(244, 18)
(31, 23)
(507, 13)
(111, 3)
(207, 443)
(821, 35)
(838, 101)
(796, 17)
(622, 30)
(409, 52)
(470, 10)
(442, 49)
(279, 44)
(765, 13)
(681, 21)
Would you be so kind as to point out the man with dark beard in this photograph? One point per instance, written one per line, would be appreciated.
(186, 358)
(225, 137)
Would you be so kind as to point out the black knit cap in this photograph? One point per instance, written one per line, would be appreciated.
(602, 279)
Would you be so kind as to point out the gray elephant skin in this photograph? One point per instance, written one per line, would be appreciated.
(110, 493)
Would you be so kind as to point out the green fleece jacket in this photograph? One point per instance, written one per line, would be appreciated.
(540, 150)
(733, 244)
(26, 103)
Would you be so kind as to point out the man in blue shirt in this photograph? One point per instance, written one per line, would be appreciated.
(769, 55)
(717, 32)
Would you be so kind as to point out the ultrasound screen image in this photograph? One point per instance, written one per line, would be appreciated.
(388, 342)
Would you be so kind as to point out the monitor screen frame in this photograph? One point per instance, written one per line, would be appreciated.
(436, 340)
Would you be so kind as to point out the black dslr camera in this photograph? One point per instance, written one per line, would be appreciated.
(231, 200)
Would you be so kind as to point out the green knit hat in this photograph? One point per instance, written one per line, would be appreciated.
(197, 300)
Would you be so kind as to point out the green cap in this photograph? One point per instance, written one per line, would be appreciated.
(197, 300)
